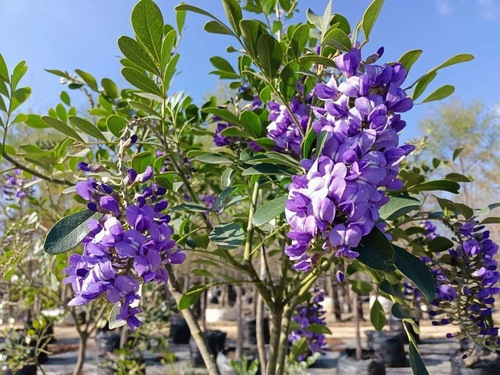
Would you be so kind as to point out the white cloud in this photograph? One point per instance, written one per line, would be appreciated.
(490, 9)
(444, 7)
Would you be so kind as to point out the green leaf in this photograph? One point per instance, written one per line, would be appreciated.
(213, 158)
(147, 22)
(201, 272)
(141, 81)
(227, 236)
(180, 18)
(299, 40)
(457, 59)
(222, 64)
(456, 153)
(392, 289)
(423, 83)
(415, 270)
(377, 316)
(191, 8)
(215, 27)
(337, 39)
(223, 114)
(192, 296)
(4, 71)
(110, 88)
(226, 177)
(457, 177)
(317, 59)
(267, 169)
(269, 54)
(191, 207)
(62, 127)
(409, 58)
(399, 311)
(35, 121)
(444, 185)
(370, 17)
(113, 322)
(68, 232)
(88, 79)
(116, 124)
(307, 144)
(251, 123)
(440, 244)
(397, 207)
(251, 30)
(19, 97)
(136, 53)
(318, 328)
(165, 180)
(491, 220)
(65, 98)
(142, 160)
(223, 195)
(298, 347)
(18, 73)
(376, 251)
(441, 93)
(416, 363)
(361, 287)
(233, 14)
(87, 127)
(269, 211)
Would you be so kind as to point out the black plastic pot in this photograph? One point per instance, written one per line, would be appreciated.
(215, 340)
(27, 370)
(106, 342)
(484, 365)
(179, 330)
(250, 331)
(388, 347)
(396, 325)
(347, 364)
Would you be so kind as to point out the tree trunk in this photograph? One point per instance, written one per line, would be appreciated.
(239, 310)
(357, 322)
(259, 318)
(272, 364)
(82, 351)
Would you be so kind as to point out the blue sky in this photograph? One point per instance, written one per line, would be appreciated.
(82, 34)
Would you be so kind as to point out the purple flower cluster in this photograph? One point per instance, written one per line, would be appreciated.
(430, 230)
(125, 248)
(283, 129)
(337, 202)
(15, 186)
(311, 312)
(465, 292)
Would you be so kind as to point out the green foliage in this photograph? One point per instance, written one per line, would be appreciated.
(376, 251)
(68, 232)
(377, 316)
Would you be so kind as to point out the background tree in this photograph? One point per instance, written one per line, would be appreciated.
(475, 129)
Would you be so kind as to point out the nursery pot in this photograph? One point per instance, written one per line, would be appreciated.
(250, 331)
(348, 364)
(179, 330)
(397, 325)
(106, 342)
(215, 341)
(388, 347)
(484, 365)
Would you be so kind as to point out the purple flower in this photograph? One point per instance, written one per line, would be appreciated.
(124, 249)
(465, 294)
(311, 312)
(288, 125)
(337, 202)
